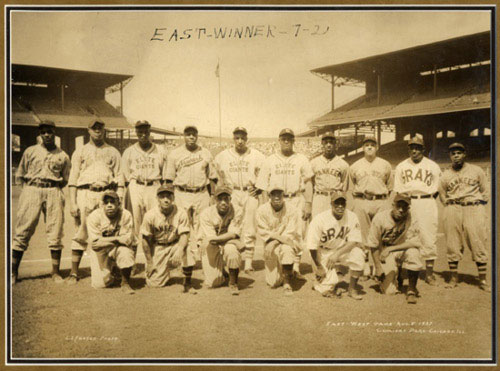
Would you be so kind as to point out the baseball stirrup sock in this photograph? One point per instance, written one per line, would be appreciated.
(188, 272)
(55, 256)
(16, 260)
(76, 257)
(287, 272)
(125, 274)
(453, 266)
(233, 276)
(412, 280)
(481, 269)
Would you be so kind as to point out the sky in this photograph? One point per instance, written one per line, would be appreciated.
(265, 80)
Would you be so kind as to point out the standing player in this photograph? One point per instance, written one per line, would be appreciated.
(191, 170)
(334, 237)
(43, 172)
(220, 229)
(95, 169)
(370, 179)
(291, 172)
(238, 168)
(395, 242)
(330, 174)
(165, 234)
(278, 225)
(419, 177)
(463, 190)
(112, 241)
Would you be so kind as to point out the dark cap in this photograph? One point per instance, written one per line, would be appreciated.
(416, 140)
(94, 122)
(276, 188)
(369, 138)
(287, 131)
(456, 146)
(142, 123)
(402, 197)
(191, 127)
(169, 187)
(47, 123)
(222, 190)
(240, 129)
(110, 193)
(337, 195)
(328, 134)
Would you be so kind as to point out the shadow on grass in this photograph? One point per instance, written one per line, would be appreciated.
(82, 273)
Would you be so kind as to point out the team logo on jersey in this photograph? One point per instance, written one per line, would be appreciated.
(426, 178)
(56, 164)
(331, 233)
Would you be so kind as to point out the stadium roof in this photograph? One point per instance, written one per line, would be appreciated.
(457, 51)
(68, 121)
(49, 75)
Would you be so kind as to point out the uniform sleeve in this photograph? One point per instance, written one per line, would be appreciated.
(117, 169)
(147, 225)
(183, 222)
(389, 182)
(263, 178)
(374, 238)
(344, 177)
(398, 180)
(352, 176)
(76, 162)
(206, 227)
(93, 228)
(437, 175)
(170, 173)
(259, 160)
(483, 184)
(127, 228)
(262, 224)
(293, 227)
(218, 163)
(66, 169)
(212, 169)
(164, 167)
(354, 234)
(306, 169)
(22, 169)
(413, 234)
(442, 186)
(314, 234)
(125, 166)
(237, 222)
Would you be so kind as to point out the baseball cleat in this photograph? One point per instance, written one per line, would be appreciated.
(288, 289)
(126, 289)
(188, 289)
(72, 279)
(328, 294)
(451, 284)
(56, 277)
(484, 286)
(431, 280)
(411, 298)
(14, 279)
(234, 290)
(354, 295)
(297, 275)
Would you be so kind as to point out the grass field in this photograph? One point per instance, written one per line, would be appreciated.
(60, 321)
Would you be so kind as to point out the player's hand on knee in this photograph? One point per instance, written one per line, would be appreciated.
(149, 268)
(307, 211)
(320, 273)
(332, 261)
(177, 258)
(74, 211)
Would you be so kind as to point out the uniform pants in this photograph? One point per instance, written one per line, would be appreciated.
(465, 226)
(33, 201)
(409, 259)
(248, 204)
(143, 198)
(425, 212)
(282, 255)
(354, 259)
(87, 201)
(162, 264)
(365, 210)
(101, 264)
(215, 257)
(299, 203)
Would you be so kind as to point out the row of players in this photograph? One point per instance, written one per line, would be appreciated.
(307, 187)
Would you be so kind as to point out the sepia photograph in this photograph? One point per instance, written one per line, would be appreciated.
(231, 185)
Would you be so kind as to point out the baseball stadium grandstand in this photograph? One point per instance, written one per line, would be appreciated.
(440, 91)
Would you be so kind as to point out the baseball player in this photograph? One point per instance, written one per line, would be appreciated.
(190, 169)
(143, 165)
(370, 184)
(238, 168)
(112, 240)
(291, 172)
(278, 224)
(418, 177)
(331, 174)
(395, 242)
(463, 191)
(334, 237)
(220, 229)
(95, 168)
(165, 233)
(43, 172)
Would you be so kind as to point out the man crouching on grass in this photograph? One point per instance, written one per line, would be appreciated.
(111, 236)
(395, 242)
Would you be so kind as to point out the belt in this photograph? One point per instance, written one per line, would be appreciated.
(369, 197)
(465, 203)
(98, 189)
(326, 193)
(168, 243)
(44, 183)
(416, 197)
(241, 189)
(290, 195)
(192, 190)
(146, 183)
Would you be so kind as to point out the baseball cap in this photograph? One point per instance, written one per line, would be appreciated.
(287, 131)
(240, 129)
(94, 122)
(456, 145)
(47, 123)
(276, 188)
(165, 188)
(416, 140)
(369, 138)
(402, 197)
(221, 190)
(191, 127)
(328, 134)
(110, 193)
(337, 195)
(142, 123)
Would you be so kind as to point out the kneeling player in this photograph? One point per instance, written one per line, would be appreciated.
(164, 234)
(395, 243)
(111, 236)
(334, 237)
(278, 224)
(219, 233)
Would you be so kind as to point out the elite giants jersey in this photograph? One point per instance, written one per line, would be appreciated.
(239, 170)
(144, 165)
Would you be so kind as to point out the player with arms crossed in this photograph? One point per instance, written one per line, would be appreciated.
(334, 237)
(43, 172)
(278, 224)
(238, 168)
(220, 229)
(395, 242)
(463, 189)
(418, 177)
(291, 172)
(165, 233)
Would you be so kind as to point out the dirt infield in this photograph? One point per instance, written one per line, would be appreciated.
(60, 321)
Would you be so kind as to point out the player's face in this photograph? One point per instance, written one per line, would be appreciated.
(110, 206)
(97, 132)
(277, 200)
(370, 148)
(190, 138)
(286, 143)
(223, 203)
(240, 141)
(457, 156)
(165, 199)
(143, 133)
(401, 209)
(328, 146)
(48, 135)
(338, 207)
(416, 152)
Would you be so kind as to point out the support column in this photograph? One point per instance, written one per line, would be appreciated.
(433, 141)
(333, 92)
(62, 97)
(379, 89)
(121, 98)
(435, 81)
(379, 132)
